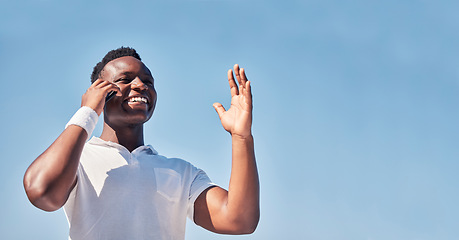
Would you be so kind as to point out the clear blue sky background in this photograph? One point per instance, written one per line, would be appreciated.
(356, 117)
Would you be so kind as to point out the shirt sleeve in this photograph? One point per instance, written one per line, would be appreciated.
(69, 204)
(200, 183)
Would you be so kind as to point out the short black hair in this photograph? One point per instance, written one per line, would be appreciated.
(113, 54)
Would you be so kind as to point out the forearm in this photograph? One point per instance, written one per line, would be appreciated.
(50, 178)
(243, 192)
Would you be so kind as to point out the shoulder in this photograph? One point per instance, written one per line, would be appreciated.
(174, 163)
(182, 167)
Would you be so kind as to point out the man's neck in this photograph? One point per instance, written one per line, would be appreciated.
(130, 137)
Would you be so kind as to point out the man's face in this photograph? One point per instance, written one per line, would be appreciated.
(138, 95)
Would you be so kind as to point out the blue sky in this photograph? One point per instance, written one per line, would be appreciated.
(356, 119)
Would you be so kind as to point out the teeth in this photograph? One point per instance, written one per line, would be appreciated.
(138, 99)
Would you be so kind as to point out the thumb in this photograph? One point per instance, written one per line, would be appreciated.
(219, 108)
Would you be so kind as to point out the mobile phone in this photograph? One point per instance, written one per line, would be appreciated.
(110, 95)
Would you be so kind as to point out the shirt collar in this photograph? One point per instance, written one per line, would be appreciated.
(97, 141)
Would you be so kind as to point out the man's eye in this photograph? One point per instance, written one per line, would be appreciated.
(123, 80)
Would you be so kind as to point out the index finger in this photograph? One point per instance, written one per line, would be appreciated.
(110, 88)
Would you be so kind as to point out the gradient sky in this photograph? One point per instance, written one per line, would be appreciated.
(356, 118)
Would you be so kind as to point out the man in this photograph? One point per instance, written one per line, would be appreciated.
(115, 187)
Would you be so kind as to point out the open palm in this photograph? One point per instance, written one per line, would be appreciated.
(237, 120)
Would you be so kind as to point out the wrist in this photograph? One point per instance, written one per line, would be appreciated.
(240, 137)
(85, 118)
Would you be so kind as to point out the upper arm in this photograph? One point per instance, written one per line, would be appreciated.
(52, 176)
(212, 213)
(209, 209)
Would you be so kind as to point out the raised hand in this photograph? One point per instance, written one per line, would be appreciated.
(237, 120)
(236, 211)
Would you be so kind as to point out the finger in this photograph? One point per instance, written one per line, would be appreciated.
(243, 76)
(107, 85)
(248, 93)
(109, 90)
(97, 82)
(237, 72)
(219, 108)
(232, 83)
(113, 87)
(241, 89)
(118, 92)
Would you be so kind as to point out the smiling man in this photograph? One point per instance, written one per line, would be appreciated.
(116, 187)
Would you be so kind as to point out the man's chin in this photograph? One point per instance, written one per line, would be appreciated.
(132, 119)
(138, 118)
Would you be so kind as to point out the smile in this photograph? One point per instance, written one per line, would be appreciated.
(138, 99)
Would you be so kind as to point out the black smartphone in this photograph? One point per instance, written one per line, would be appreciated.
(110, 95)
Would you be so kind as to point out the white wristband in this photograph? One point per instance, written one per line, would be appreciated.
(86, 118)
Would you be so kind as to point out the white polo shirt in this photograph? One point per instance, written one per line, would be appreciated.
(132, 195)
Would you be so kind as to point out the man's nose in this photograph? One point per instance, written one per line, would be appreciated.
(138, 84)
